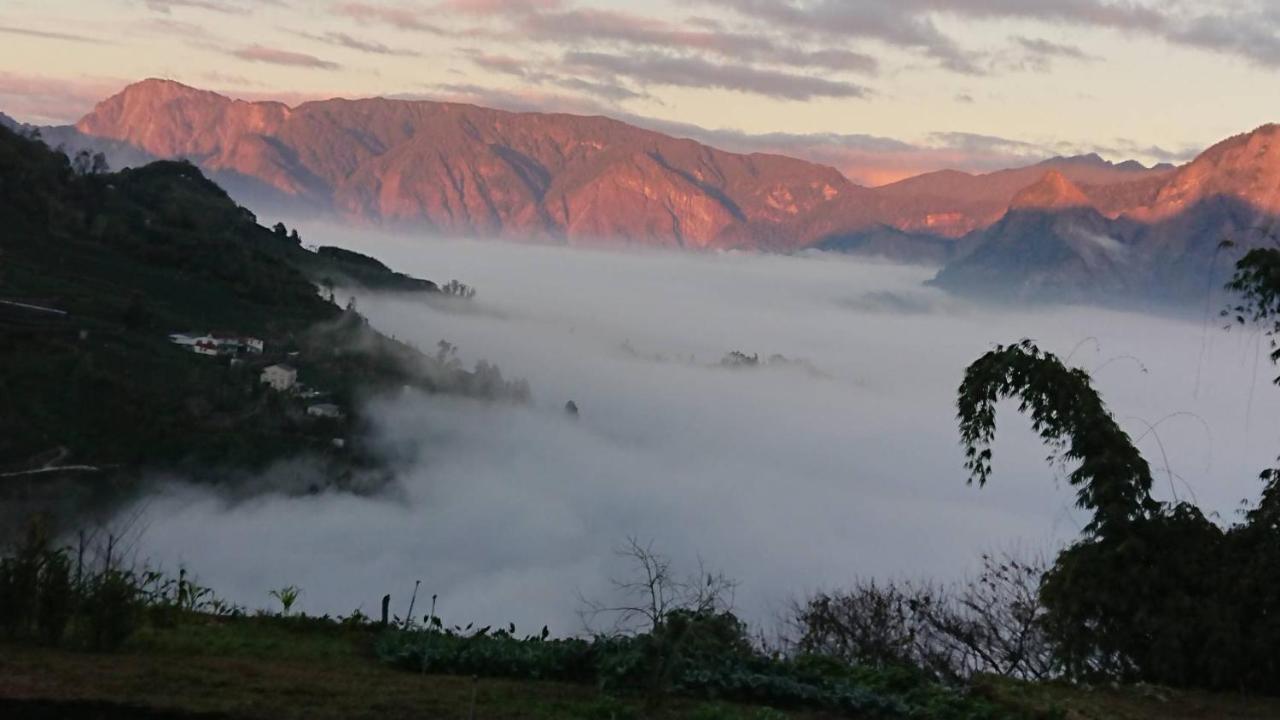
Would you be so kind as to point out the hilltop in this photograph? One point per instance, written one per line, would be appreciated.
(474, 171)
(100, 269)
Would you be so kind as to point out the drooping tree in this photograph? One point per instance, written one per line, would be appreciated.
(1151, 591)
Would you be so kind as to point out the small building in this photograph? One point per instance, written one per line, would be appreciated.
(280, 377)
(219, 343)
(326, 410)
(206, 345)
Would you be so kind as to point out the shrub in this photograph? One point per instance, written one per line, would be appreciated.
(112, 608)
(57, 599)
(993, 624)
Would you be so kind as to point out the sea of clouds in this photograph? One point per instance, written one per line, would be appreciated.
(789, 477)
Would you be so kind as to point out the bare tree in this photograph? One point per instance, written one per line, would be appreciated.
(453, 288)
(648, 597)
(670, 618)
(993, 623)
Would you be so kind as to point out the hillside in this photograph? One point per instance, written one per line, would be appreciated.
(1165, 248)
(951, 203)
(99, 270)
(467, 170)
(474, 171)
(273, 668)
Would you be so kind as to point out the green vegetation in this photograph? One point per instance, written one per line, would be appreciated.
(97, 269)
(702, 656)
(1153, 591)
(176, 650)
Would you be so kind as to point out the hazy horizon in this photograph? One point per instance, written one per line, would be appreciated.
(809, 474)
(880, 90)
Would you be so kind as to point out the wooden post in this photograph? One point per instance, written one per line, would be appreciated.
(80, 563)
(408, 620)
(475, 688)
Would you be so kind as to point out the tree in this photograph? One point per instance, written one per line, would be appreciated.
(453, 288)
(991, 624)
(1112, 479)
(674, 618)
(1152, 591)
(1257, 281)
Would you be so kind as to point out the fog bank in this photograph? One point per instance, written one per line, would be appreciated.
(788, 477)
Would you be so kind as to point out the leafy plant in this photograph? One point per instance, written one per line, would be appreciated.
(113, 603)
(287, 596)
(1153, 591)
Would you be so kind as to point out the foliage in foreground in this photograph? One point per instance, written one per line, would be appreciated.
(87, 597)
(1153, 591)
(719, 665)
(990, 625)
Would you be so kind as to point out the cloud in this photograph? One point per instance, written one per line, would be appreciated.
(1040, 46)
(398, 16)
(40, 99)
(587, 26)
(1038, 54)
(274, 56)
(519, 99)
(219, 6)
(341, 39)
(1246, 30)
(656, 69)
(736, 60)
(890, 22)
(863, 158)
(786, 479)
(544, 72)
(47, 35)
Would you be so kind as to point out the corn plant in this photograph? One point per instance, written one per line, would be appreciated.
(287, 596)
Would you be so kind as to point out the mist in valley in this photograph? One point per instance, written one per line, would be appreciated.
(841, 463)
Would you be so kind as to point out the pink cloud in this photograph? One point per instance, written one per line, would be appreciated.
(261, 53)
(44, 100)
(403, 17)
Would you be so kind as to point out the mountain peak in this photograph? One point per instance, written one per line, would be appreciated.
(169, 119)
(161, 90)
(1053, 191)
(1090, 159)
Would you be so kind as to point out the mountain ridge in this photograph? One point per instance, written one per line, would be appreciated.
(469, 170)
(466, 170)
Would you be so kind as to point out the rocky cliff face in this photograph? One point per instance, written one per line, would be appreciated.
(951, 203)
(1056, 228)
(1148, 241)
(468, 170)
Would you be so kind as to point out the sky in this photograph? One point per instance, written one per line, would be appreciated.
(842, 462)
(877, 88)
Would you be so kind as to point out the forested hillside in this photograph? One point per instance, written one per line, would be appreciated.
(98, 269)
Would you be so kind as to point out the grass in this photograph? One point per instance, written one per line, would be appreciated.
(281, 668)
(272, 668)
(1140, 702)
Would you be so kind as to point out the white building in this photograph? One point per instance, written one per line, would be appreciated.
(326, 410)
(217, 344)
(280, 377)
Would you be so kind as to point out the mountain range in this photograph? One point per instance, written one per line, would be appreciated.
(1057, 229)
